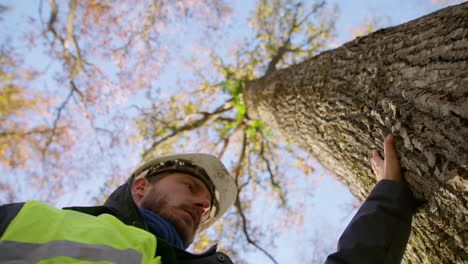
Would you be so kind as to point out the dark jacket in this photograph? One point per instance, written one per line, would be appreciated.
(378, 232)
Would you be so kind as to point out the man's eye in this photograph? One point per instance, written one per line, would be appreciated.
(190, 186)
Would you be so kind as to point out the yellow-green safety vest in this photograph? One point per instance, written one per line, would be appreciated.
(46, 235)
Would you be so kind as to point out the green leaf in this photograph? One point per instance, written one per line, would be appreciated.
(240, 110)
(233, 87)
(251, 131)
(257, 123)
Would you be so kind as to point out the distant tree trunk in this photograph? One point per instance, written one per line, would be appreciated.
(410, 80)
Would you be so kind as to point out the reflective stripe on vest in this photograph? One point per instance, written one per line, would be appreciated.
(41, 233)
(12, 251)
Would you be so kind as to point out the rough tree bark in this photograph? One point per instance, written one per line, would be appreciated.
(410, 80)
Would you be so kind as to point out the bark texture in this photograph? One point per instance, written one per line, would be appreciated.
(410, 80)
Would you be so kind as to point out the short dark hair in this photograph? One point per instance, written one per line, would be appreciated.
(155, 177)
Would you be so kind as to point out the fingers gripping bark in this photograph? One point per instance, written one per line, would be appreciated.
(389, 167)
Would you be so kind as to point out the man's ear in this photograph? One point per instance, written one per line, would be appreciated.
(139, 188)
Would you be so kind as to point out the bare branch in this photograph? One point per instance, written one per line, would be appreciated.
(57, 118)
(75, 60)
(227, 139)
(246, 232)
(277, 58)
(226, 119)
(239, 163)
(273, 182)
(239, 205)
(27, 133)
(52, 20)
(207, 118)
(286, 45)
(77, 68)
(314, 10)
(81, 101)
(150, 21)
(152, 115)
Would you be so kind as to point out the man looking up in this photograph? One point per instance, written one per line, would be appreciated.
(180, 192)
(166, 202)
(152, 218)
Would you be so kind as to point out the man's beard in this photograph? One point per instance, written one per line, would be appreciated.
(160, 206)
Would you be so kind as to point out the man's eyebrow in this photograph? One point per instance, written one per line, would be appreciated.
(191, 179)
(199, 184)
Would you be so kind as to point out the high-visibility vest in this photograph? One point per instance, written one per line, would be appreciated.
(43, 234)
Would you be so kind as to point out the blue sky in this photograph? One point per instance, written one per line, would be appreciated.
(330, 207)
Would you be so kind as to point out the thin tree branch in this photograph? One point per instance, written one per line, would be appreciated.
(27, 133)
(238, 201)
(277, 58)
(239, 163)
(152, 115)
(57, 118)
(314, 10)
(52, 20)
(75, 60)
(150, 21)
(285, 47)
(77, 68)
(81, 101)
(227, 139)
(286, 43)
(226, 119)
(207, 118)
(273, 182)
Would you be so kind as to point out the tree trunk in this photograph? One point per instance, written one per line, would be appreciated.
(410, 80)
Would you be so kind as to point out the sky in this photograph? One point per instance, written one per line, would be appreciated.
(330, 207)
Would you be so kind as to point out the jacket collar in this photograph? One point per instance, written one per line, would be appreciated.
(121, 201)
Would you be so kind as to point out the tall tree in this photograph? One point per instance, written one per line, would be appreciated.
(410, 80)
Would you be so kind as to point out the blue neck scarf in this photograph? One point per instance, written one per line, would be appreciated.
(162, 229)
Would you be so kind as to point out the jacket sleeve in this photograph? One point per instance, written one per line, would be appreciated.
(7, 213)
(379, 231)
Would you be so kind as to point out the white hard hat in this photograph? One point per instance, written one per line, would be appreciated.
(204, 166)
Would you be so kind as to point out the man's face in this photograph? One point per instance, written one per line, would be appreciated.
(181, 199)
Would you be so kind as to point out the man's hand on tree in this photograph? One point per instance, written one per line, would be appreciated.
(389, 167)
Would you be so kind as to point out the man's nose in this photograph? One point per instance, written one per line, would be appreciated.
(203, 203)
